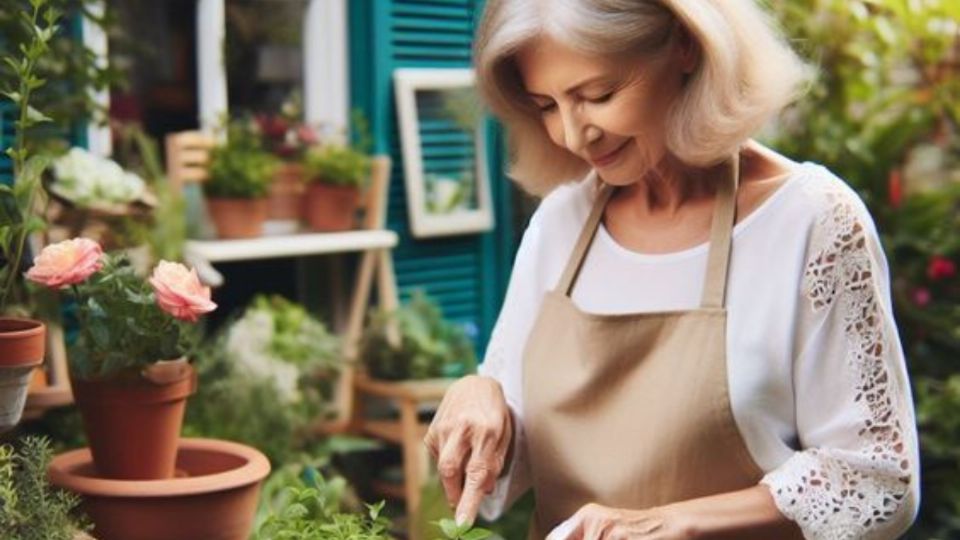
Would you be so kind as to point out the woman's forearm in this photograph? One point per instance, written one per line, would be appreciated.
(745, 514)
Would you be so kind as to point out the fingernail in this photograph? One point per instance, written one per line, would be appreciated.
(461, 519)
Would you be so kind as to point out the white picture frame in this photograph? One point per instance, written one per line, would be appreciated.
(430, 214)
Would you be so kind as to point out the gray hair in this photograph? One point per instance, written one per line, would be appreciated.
(746, 75)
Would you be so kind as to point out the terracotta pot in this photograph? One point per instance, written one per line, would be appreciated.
(133, 425)
(214, 499)
(286, 192)
(22, 345)
(238, 218)
(330, 208)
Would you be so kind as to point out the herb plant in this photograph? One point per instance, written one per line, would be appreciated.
(311, 511)
(337, 165)
(30, 508)
(416, 342)
(240, 168)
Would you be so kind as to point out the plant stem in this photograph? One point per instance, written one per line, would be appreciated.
(19, 162)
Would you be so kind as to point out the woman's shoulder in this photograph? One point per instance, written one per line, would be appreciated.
(828, 201)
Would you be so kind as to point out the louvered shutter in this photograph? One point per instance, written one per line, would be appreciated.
(465, 274)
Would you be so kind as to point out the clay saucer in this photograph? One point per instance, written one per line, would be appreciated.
(214, 496)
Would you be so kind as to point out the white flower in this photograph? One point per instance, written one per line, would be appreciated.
(248, 342)
(85, 178)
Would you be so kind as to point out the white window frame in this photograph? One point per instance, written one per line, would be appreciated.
(326, 86)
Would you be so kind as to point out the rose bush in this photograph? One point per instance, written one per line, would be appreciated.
(126, 322)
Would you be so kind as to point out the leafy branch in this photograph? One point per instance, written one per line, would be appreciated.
(18, 203)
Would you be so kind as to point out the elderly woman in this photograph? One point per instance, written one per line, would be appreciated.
(697, 339)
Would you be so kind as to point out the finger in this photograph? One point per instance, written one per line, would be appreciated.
(481, 476)
(450, 465)
(571, 529)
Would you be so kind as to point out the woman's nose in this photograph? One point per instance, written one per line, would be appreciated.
(577, 132)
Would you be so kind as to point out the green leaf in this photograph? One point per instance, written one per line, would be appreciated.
(476, 534)
(449, 527)
(37, 117)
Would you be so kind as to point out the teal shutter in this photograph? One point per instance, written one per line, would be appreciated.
(6, 141)
(465, 274)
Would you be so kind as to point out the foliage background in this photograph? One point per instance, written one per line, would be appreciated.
(883, 114)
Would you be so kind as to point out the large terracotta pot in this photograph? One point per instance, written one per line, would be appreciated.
(133, 424)
(214, 496)
(238, 218)
(330, 208)
(22, 346)
(286, 192)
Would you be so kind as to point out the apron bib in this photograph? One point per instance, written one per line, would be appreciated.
(632, 410)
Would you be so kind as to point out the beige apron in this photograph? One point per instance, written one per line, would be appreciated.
(632, 411)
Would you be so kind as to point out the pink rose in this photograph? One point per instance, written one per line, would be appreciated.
(66, 263)
(179, 291)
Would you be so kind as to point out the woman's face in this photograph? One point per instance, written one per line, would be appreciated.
(609, 112)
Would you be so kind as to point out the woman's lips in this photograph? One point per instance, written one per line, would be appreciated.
(609, 158)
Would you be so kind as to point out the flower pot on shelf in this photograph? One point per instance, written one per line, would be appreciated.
(22, 345)
(286, 193)
(236, 217)
(214, 494)
(133, 424)
(330, 208)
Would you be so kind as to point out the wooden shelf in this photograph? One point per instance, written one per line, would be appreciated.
(291, 245)
(389, 430)
(422, 390)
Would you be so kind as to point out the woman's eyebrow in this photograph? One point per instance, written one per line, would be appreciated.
(572, 89)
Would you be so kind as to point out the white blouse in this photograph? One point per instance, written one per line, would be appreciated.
(816, 373)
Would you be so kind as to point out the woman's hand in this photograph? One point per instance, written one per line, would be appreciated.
(595, 522)
(469, 438)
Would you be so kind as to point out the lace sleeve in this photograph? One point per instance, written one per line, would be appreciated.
(856, 475)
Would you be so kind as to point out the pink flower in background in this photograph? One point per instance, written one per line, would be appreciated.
(179, 291)
(307, 135)
(921, 297)
(66, 263)
(940, 268)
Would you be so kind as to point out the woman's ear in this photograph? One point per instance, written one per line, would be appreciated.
(687, 50)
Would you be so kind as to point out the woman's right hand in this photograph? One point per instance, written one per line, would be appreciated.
(469, 438)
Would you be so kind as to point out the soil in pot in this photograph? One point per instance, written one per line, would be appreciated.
(22, 346)
(329, 208)
(215, 498)
(133, 424)
(238, 218)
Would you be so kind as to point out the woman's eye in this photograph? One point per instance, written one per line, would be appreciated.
(601, 99)
(547, 108)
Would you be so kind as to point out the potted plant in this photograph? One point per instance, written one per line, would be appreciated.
(287, 138)
(335, 175)
(129, 373)
(415, 342)
(236, 190)
(22, 340)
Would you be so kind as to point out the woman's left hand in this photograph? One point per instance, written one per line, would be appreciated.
(596, 522)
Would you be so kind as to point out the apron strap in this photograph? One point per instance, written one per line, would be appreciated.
(575, 262)
(721, 233)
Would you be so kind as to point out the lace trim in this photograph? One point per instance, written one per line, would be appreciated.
(836, 493)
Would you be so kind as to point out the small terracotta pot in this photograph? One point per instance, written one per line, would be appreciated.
(238, 218)
(330, 208)
(286, 192)
(215, 498)
(133, 425)
(22, 346)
